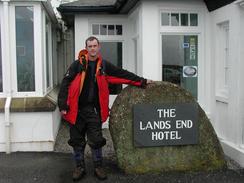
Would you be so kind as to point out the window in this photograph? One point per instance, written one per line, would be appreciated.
(107, 29)
(165, 19)
(223, 62)
(48, 53)
(226, 54)
(179, 19)
(225, 50)
(175, 19)
(1, 76)
(193, 20)
(184, 19)
(25, 48)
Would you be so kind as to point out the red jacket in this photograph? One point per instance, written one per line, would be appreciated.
(105, 73)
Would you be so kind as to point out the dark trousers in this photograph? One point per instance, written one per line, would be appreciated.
(88, 124)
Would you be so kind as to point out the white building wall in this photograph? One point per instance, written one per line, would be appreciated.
(56, 120)
(31, 131)
(150, 32)
(228, 107)
(241, 53)
(150, 40)
(2, 129)
(134, 23)
(81, 33)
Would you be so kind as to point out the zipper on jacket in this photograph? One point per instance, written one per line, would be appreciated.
(95, 110)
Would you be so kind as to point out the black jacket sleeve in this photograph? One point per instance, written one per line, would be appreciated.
(69, 76)
(115, 71)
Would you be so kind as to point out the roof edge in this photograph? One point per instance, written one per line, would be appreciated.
(85, 9)
(116, 8)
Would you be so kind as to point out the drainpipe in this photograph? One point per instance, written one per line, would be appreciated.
(7, 125)
(7, 73)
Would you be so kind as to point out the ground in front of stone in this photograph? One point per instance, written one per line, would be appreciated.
(57, 167)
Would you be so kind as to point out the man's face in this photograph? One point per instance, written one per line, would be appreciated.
(93, 48)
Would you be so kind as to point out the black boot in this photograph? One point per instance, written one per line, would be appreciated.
(99, 171)
(80, 170)
(97, 159)
(78, 173)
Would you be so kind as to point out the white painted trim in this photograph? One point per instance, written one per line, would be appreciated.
(3, 93)
(43, 35)
(7, 125)
(47, 89)
(6, 64)
(38, 47)
(42, 146)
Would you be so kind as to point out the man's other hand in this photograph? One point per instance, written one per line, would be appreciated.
(149, 81)
(63, 112)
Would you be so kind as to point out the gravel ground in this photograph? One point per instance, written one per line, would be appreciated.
(56, 167)
(108, 150)
(63, 147)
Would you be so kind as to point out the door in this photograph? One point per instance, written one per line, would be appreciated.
(180, 61)
(112, 52)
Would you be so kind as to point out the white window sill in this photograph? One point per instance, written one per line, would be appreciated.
(222, 97)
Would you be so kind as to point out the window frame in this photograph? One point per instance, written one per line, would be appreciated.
(222, 47)
(187, 30)
(179, 13)
(50, 63)
(180, 28)
(107, 32)
(38, 58)
(1, 35)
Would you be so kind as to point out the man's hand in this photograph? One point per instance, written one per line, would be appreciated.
(63, 112)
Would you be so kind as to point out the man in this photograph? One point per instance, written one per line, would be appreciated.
(83, 102)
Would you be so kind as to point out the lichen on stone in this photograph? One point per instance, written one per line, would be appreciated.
(206, 155)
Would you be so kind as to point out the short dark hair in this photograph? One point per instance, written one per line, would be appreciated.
(91, 38)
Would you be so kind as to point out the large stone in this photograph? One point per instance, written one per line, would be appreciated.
(206, 155)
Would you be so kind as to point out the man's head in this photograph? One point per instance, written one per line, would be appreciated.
(93, 47)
